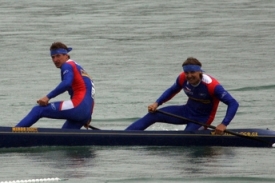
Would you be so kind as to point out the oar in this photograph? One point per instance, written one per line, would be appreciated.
(94, 128)
(90, 126)
(213, 127)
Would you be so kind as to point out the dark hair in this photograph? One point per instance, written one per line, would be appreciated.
(57, 45)
(191, 61)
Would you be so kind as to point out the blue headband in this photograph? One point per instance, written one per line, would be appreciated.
(189, 68)
(60, 51)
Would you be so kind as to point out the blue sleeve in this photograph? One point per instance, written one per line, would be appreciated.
(169, 93)
(67, 79)
(226, 98)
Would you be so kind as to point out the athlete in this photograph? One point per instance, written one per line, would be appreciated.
(78, 110)
(204, 94)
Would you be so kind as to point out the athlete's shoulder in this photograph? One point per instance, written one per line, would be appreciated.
(67, 67)
(209, 80)
(73, 63)
(181, 78)
(70, 62)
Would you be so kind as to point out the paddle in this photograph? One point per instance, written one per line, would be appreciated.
(94, 128)
(213, 127)
(87, 125)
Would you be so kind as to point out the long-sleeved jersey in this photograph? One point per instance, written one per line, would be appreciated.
(78, 110)
(77, 82)
(203, 99)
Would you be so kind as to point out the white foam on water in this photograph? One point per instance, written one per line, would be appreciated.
(33, 180)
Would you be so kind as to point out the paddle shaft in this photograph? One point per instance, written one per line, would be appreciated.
(213, 127)
(94, 128)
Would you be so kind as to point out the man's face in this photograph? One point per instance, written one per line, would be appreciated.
(59, 59)
(193, 77)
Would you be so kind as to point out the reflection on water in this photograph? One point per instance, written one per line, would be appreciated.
(195, 160)
(149, 164)
(75, 160)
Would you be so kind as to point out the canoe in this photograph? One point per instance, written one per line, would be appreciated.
(28, 137)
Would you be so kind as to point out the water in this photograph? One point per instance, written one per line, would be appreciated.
(134, 51)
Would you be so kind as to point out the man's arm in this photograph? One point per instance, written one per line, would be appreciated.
(67, 79)
(172, 91)
(232, 104)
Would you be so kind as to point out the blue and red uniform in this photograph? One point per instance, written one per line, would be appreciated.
(202, 104)
(78, 110)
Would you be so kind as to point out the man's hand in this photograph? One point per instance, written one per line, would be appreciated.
(220, 129)
(43, 101)
(153, 107)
